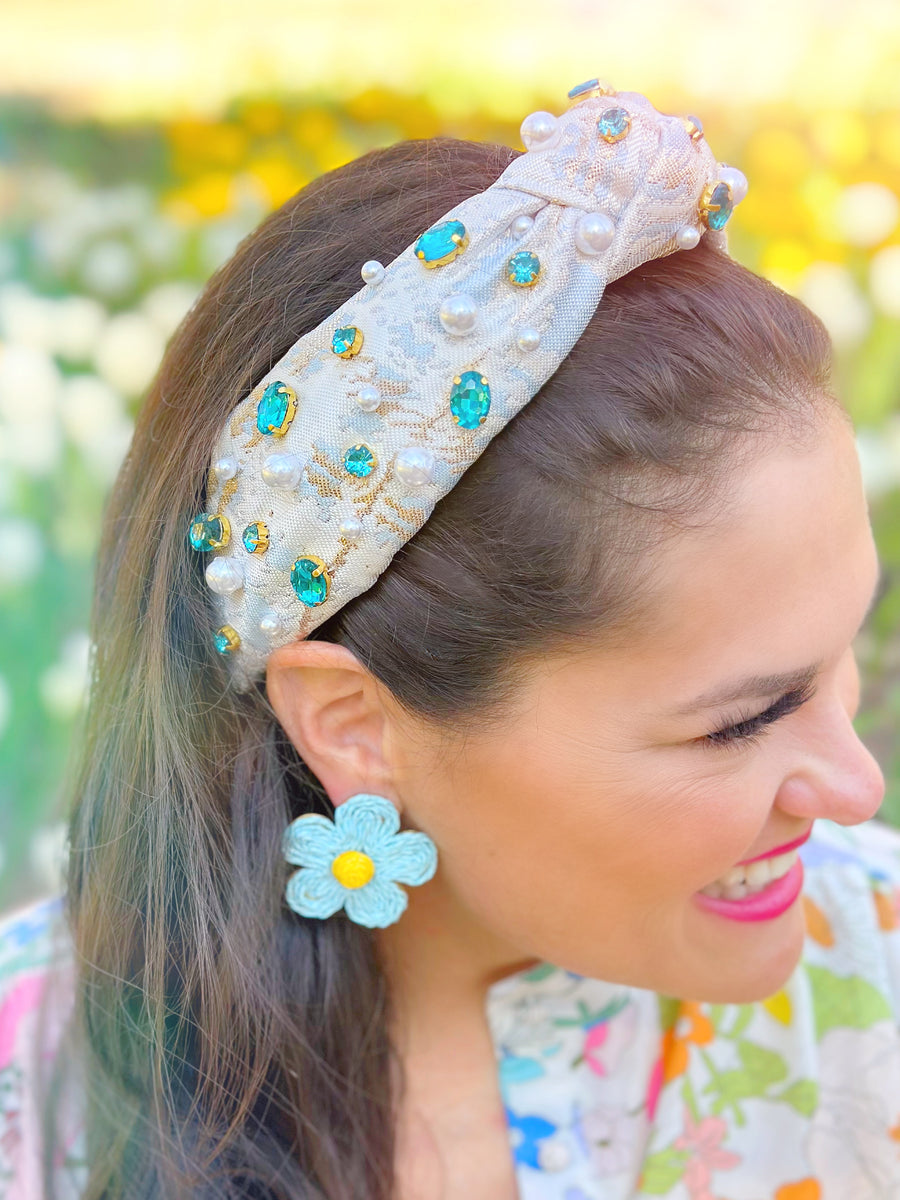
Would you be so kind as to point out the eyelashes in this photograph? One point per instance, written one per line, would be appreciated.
(751, 729)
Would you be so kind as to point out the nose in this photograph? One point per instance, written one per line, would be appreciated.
(833, 775)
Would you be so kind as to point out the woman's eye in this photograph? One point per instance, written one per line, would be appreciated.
(750, 730)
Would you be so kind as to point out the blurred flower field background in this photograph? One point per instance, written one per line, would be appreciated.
(116, 205)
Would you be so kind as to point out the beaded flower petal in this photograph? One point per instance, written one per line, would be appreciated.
(355, 862)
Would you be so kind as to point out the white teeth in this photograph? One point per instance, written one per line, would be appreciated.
(739, 882)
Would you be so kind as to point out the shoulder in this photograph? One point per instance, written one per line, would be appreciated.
(37, 991)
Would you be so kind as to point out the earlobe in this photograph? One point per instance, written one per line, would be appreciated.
(331, 708)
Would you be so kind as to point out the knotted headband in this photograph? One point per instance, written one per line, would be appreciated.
(339, 454)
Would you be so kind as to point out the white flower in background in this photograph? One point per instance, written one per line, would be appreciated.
(94, 419)
(109, 267)
(128, 352)
(79, 322)
(63, 686)
(27, 319)
(124, 207)
(160, 241)
(29, 430)
(21, 550)
(884, 280)
(866, 213)
(219, 240)
(879, 456)
(48, 855)
(166, 305)
(831, 292)
(5, 710)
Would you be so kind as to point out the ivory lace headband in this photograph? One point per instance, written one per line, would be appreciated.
(339, 454)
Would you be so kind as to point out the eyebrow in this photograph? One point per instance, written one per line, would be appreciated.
(753, 686)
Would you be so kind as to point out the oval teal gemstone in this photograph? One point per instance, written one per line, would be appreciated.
(523, 268)
(580, 88)
(470, 399)
(442, 243)
(614, 124)
(256, 538)
(309, 579)
(346, 341)
(275, 410)
(359, 461)
(208, 532)
(721, 196)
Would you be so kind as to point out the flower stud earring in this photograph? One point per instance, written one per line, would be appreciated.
(355, 862)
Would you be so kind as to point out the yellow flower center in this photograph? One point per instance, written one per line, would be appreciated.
(353, 869)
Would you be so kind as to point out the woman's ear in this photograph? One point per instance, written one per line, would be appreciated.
(333, 711)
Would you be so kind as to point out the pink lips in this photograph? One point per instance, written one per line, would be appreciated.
(778, 849)
(771, 902)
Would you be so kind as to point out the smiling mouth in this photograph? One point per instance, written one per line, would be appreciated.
(753, 877)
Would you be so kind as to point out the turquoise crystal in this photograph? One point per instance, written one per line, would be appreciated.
(342, 340)
(580, 88)
(721, 195)
(310, 587)
(208, 532)
(523, 268)
(273, 413)
(359, 461)
(614, 124)
(253, 538)
(225, 640)
(442, 243)
(470, 399)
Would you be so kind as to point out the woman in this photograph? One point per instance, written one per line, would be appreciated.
(605, 683)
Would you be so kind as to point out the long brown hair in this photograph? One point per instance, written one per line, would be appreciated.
(232, 1048)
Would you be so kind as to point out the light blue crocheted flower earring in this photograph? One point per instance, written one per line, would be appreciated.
(355, 862)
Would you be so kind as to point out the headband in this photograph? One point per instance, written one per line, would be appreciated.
(339, 454)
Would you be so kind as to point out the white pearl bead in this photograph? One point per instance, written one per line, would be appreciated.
(528, 338)
(224, 576)
(539, 130)
(738, 181)
(687, 237)
(594, 232)
(522, 225)
(372, 271)
(459, 314)
(368, 398)
(553, 1155)
(282, 470)
(225, 468)
(351, 528)
(271, 624)
(414, 465)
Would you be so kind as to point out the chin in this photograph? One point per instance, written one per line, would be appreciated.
(753, 976)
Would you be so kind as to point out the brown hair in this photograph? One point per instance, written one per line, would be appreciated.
(234, 1049)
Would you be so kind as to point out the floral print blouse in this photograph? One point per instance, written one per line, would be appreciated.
(615, 1092)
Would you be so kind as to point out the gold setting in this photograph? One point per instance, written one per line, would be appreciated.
(694, 128)
(602, 88)
(232, 637)
(262, 538)
(226, 530)
(354, 347)
(361, 446)
(706, 206)
(460, 241)
(290, 413)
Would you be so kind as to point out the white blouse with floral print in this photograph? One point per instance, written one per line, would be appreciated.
(614, 1092)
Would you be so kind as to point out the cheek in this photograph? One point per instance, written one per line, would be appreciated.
(528, 820)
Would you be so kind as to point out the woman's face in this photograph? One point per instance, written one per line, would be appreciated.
(581, 831)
